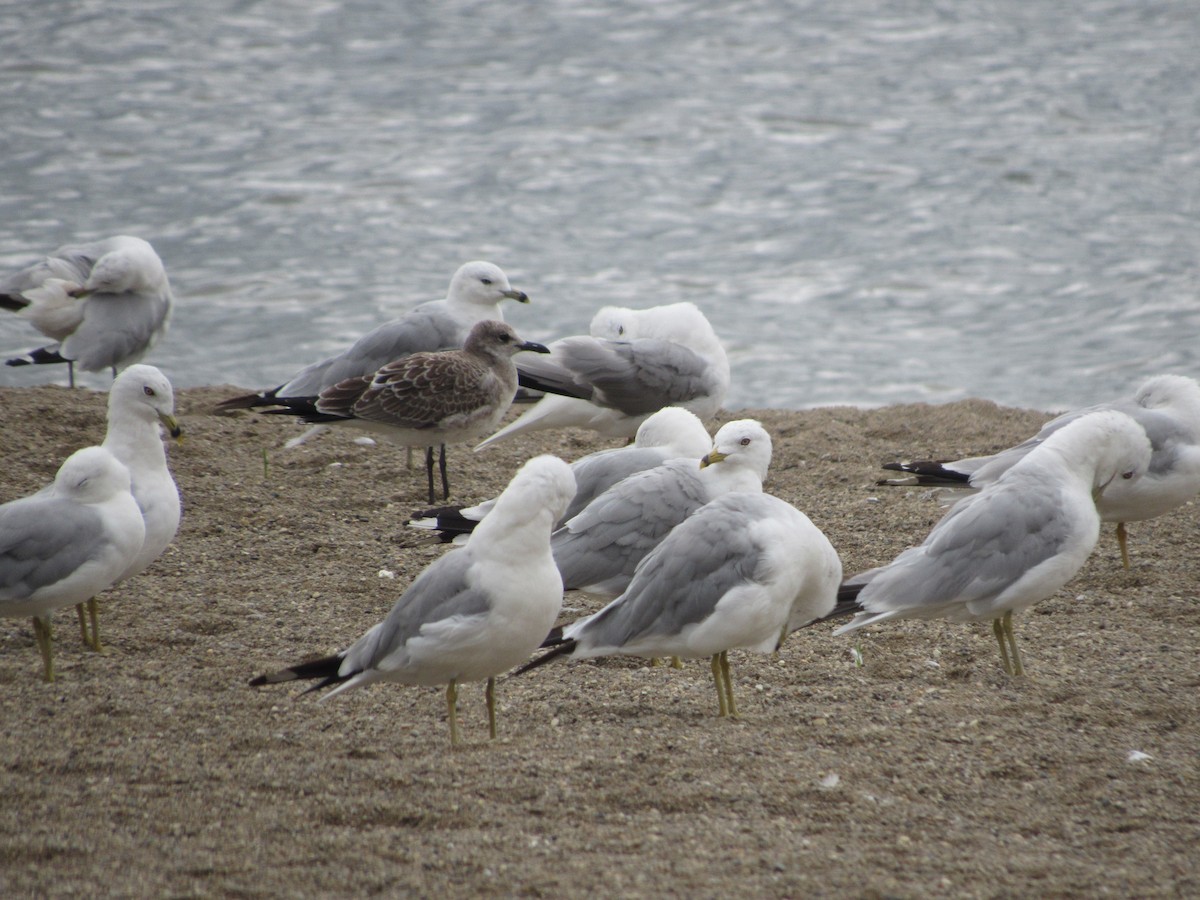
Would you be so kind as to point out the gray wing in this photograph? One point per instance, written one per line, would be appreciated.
(596, 473)
(681, 581)
(116, 327)
(977, 551)
(441, 592)
(424, 329)
(43, 540)
(605, 542)
(634, 377)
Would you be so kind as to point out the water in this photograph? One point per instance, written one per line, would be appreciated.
(874, 202)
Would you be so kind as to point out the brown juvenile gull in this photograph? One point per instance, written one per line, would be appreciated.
(424, 399)
(105, 302)
(470, 615)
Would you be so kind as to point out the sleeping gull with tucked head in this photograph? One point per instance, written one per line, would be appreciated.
(63, 545)
(424, 399)
(105, 302)
(741, 572)
(1017, 541)
(1168, 409)
(632, 364)
(671, 433)
(472, 614)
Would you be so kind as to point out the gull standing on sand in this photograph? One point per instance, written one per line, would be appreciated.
(664, 356)
(1168, 409)
(671, 433)
(141, 399)
(472, 614)
(741, 572)
(424, 399)
(63, 545)
(105, 302)
(1017, 541)
(598, 550)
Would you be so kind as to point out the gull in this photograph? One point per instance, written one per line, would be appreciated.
(741, 572)
(63, 545)
(141, 399)
(1168, 409)
(105, 303)
(598, 550)
(472, 614)
(1016, 541)
(476, 293)
(670, 433)
(632, 364)
(423, 399)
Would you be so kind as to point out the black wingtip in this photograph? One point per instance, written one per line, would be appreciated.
(564, 386)
(924, 472)
(554, 638)
(325, 668)
(562, 649)
(846, 604)
(248, 401)
(41, 357)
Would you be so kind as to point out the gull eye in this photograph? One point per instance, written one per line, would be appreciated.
(620, 330)
(1127, 475)
(745, 442)
(148, 391)
(486, 280)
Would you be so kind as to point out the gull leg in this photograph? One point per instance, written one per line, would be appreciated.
(44, 636)
(728, 677)
(490, 693)
(70, 381)
(676, 662)
(1122, 539)
(998, 630)
(722, 703)
(429, 471)
(442, 470)
(655, 662)
(93, 606)
(452, 708)
(83, 631)
(1018, 668)
(408, 457)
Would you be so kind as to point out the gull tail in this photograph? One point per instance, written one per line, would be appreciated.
(325, 668)
(13, 302)
(250, 401)
(448, 523)
(563, 649)
(304, 408)
(925, 472)
(40, 357)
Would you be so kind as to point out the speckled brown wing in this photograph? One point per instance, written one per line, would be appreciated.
(424, 390)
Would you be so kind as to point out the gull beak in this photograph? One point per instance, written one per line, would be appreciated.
(519, 296)
(533, 346)
(79, 292)
(713, 456)
(172, 426)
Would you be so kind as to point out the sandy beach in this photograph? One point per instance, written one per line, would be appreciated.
(154, 770)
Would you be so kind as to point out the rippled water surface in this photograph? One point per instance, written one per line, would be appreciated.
(872, 201)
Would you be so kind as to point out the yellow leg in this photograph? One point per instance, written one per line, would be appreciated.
(676, 662)
(1122, 539)
(44, 636)
(491, 705)
(998, 630)
(655, 662)
(1018, 667)
(728, 677)
(722, 704)
(93, 606)
(83, 630)
(452, 708)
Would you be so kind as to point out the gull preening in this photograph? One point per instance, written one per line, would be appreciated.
(1016, 542)
(472, 614)
(426, 399)
(1168, 409)
(741, 572)
(632, 364)
(598, 550)
(64, 545)
(671, 433)
(104, 302)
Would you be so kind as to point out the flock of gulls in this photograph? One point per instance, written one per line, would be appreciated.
(673, 528)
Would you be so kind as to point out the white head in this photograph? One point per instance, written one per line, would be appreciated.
(537, 496)
(130, 266)
(744, 444)
(614, 323)
(1107, 445)
(1170, 391)
(143, 392)
(482, 284)
(680, 322)
(91, 475)
(676, 429)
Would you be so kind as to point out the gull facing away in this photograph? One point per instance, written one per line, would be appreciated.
(671, 433)
(63, 545)
(1168, 409)
(741, 572)
(141, 399)
(632, 364)
(598, 550)
(423, 399)
(104, 302)
(1017, 541)
(476, 293)
(472, 614)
